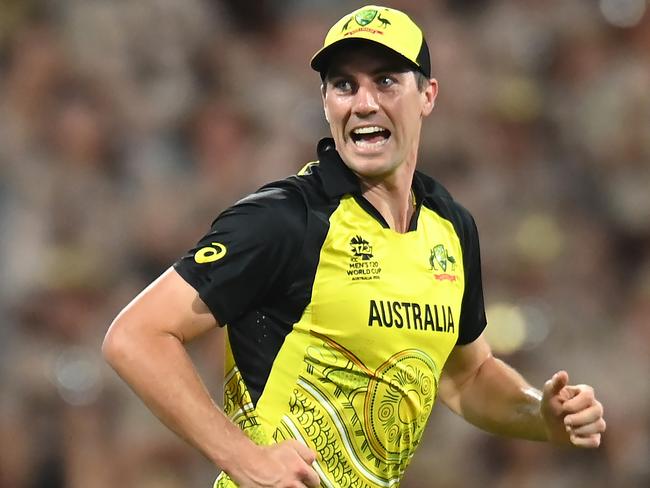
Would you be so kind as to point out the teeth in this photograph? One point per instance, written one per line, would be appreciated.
(363, 143)
(368, 130)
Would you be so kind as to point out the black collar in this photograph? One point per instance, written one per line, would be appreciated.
(339, 180)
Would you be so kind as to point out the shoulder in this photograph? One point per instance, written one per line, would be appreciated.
(292, 200)
(278, 195)
(275, 205)
(292, 193)
(438, 199)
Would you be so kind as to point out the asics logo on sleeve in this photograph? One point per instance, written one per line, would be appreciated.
(210, 254)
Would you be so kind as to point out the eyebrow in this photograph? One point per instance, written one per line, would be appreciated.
(388, 68)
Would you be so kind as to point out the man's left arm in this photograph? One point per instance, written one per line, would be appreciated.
(488, 393)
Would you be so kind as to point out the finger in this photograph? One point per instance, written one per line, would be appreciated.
(311, 478)
(584, 417)
(583, 400)
(558, 381)
(576, 389)
(304, 452)
(572, 391)
(308, 475)
(589, 442)
(587, 430)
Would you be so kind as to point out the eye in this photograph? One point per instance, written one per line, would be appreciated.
(342, 85)
(385, 81)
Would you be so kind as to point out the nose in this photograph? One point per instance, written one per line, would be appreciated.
(365, 101)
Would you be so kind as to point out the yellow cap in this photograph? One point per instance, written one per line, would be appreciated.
(386, 26)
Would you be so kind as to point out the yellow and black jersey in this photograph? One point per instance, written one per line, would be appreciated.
(338, 326)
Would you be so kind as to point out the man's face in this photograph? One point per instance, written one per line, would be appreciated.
(375, 109)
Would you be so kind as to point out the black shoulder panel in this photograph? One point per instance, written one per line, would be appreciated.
(437, 198)
(263, 282)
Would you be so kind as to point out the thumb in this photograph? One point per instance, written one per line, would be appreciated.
(558, 381)
(304, 452)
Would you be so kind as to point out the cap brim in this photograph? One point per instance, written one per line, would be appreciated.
(321, 60)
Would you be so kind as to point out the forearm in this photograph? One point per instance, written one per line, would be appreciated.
(498, 399)
(157, 367)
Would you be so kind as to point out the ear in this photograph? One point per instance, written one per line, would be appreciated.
(323, 91)
(430, 93)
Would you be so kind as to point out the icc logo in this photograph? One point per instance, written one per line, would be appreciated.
(361, 248)
(363, 265)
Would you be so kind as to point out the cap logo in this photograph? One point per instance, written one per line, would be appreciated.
(364, 17)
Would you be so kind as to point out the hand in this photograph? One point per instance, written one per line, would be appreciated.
(571, 414)
(283, 465)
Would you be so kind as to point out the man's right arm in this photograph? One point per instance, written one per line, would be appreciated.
(145, 345)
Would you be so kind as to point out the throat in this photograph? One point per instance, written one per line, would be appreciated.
(396, 213)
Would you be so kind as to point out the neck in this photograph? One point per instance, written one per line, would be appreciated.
(392, 197)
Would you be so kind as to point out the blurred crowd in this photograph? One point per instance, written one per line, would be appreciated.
(125, 127)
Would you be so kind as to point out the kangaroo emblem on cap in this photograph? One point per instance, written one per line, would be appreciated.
(384, 22)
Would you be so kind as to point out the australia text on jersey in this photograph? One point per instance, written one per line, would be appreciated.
(412, 315)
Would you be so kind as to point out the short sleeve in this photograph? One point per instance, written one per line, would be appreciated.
(472, 316)
(246, 253)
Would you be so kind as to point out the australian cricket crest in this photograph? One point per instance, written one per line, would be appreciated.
(365, 18)
(442, 264)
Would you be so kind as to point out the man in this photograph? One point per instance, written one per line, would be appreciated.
(346, 290)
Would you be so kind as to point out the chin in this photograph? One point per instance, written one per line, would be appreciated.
(370, 167)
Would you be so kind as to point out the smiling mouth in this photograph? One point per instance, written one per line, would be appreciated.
(369, 137)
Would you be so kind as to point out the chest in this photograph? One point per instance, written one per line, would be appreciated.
(382, 292)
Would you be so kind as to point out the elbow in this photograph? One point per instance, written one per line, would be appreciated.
(117, 342)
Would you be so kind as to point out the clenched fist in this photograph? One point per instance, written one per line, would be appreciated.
(572, 414)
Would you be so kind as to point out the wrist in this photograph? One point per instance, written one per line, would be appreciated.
(234, 452)
(538, 428)
(552, 419)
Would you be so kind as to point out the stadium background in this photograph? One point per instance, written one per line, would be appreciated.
(126, 126)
